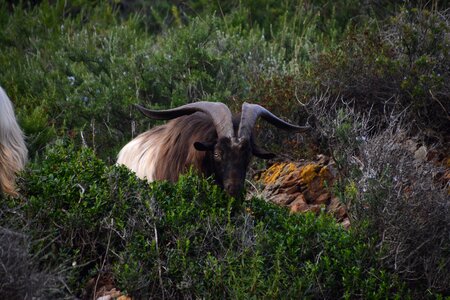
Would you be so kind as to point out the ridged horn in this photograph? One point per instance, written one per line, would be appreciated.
(251, 113)
(219, 113)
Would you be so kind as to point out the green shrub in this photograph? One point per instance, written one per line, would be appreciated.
(183, 240)
(71, 70)
(75, 69)
(206, 60)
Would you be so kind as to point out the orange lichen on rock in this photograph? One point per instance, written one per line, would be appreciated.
(312, 171)
(271, 174)
(303, 187)
(325, 174)
(309, 172)
(277, 170)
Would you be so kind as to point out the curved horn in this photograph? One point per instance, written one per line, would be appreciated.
(251, 113)
(219, 113)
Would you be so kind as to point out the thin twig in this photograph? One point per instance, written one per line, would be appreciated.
(161, 283)
(104, 260)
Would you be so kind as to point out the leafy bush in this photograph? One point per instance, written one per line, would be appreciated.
(80, 80)
(84, 66)
(75, 69)
(183, 240)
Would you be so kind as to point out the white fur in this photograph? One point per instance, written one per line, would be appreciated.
(13, 152)
(140, 155)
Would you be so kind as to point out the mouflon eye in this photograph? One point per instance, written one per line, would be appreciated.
(217, 155)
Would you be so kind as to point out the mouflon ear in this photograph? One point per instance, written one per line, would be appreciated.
(261, 153)
(204, 146)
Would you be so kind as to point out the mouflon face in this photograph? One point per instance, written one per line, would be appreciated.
(230, 158)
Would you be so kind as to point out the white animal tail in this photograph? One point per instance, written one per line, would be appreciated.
(13, 152)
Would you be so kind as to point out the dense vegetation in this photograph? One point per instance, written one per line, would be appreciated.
(368, 76)
(184, 240)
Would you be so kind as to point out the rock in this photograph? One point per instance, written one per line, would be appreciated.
(337, 208)
(315, 208)
(315, 189)
(322, 199)
(334, 204)
(308, 173)
(275, 171)
(272, 189)
(291, 190)
(421, 154)
(346, 223)
(304, 186)
(341, 213)
(299, 204)
(282, 199)
(291, 179)
(326, 175)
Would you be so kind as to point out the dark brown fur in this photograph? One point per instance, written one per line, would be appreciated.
(177, 152)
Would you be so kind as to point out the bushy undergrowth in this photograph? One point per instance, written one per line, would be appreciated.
(409, 210)
(392, 192)
(20, 277)
(400, 67)
(74, 69)
(186, 240)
